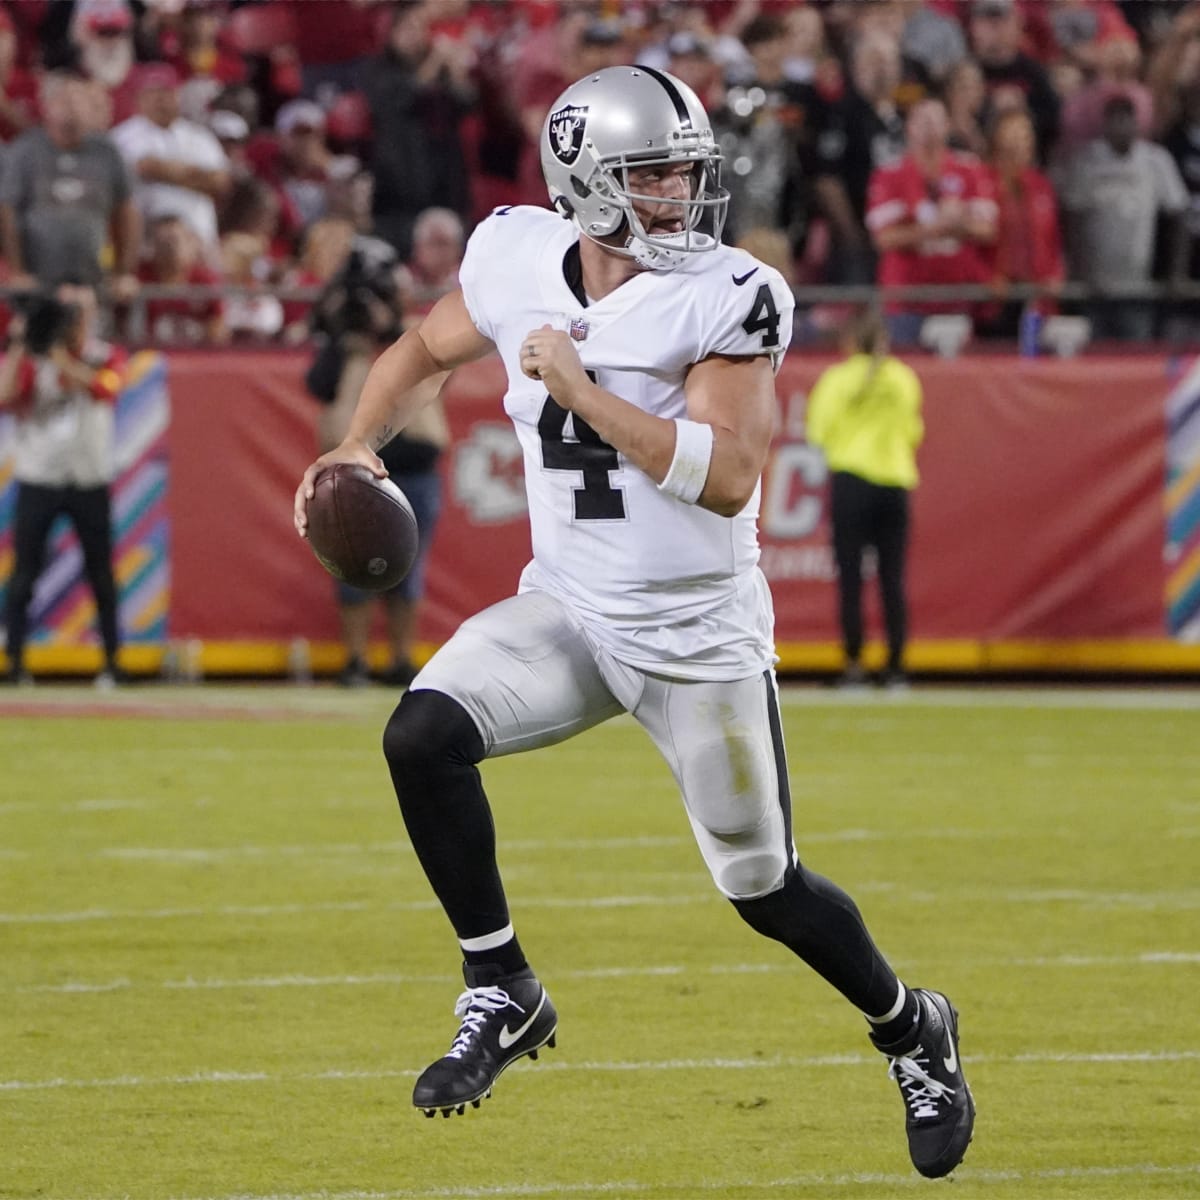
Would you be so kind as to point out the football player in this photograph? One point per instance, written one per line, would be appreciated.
(640, 355)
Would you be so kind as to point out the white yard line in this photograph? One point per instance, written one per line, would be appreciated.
(772, 1063)
(740, 1186)
(82, 987)
(206, 855)
(1177, 900)
(278, 910)
(177, 855)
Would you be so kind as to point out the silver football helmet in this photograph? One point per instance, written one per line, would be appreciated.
(623, 117)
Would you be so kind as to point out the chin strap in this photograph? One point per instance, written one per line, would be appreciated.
(653, 258)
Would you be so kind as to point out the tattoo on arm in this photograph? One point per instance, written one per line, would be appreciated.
(384, 436)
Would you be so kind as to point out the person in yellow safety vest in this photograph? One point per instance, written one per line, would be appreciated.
(864, 413)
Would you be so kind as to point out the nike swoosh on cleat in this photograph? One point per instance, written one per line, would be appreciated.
(740, 279)
(950, 1062)
(507, 1039)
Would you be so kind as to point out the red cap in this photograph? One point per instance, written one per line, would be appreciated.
(105, 15)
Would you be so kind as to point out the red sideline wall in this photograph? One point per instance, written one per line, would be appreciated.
(1039, 518)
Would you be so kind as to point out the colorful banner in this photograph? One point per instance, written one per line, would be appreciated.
(63, 611)
(1183, 508)
(1059, 507)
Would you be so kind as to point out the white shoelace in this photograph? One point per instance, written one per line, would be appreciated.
(473, 1006)
(921, 1091)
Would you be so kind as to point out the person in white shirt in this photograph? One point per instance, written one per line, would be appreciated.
(1114, 191)
(179, 166)
(640, 355)
(61, 384)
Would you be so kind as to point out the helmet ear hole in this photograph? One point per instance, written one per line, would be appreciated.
(581, 189)
(607, 221)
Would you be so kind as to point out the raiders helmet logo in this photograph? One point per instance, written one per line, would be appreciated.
(566, 132)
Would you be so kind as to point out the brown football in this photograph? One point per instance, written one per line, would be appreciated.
(362, 529)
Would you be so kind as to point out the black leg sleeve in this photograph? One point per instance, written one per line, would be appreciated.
(818, 922)
(431, 745)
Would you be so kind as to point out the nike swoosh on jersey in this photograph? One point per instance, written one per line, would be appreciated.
(740, 279)
(507, 1039)
(950, 1062)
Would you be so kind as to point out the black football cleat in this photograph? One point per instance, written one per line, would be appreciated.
(503, 1018)
(940, 1113)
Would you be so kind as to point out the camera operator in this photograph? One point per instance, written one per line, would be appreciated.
(61, 384)
(358, 315)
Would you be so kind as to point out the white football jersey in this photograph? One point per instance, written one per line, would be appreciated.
(665, 586)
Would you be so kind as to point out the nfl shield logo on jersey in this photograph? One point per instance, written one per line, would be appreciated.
(578, 329)
(566, 132)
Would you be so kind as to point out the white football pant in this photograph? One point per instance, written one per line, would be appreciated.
(529, 675)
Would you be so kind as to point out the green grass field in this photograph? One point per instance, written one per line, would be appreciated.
(221, 967)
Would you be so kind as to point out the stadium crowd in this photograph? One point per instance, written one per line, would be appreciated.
(214, 165)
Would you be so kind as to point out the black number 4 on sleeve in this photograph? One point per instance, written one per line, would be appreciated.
(764, 316)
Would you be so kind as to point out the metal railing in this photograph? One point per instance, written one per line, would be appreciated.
(130, 318)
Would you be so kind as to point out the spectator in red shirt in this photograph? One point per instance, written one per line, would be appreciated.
(176, 259)
(932, 216)
(334, 39)
(1028, 239)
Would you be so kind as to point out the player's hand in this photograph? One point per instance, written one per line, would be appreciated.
(549, 354)
(350, 451)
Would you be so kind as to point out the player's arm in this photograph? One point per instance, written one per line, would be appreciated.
(734, 397)
(392, 393)
(445, 339)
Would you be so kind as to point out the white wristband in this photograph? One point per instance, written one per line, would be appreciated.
(689, 468)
